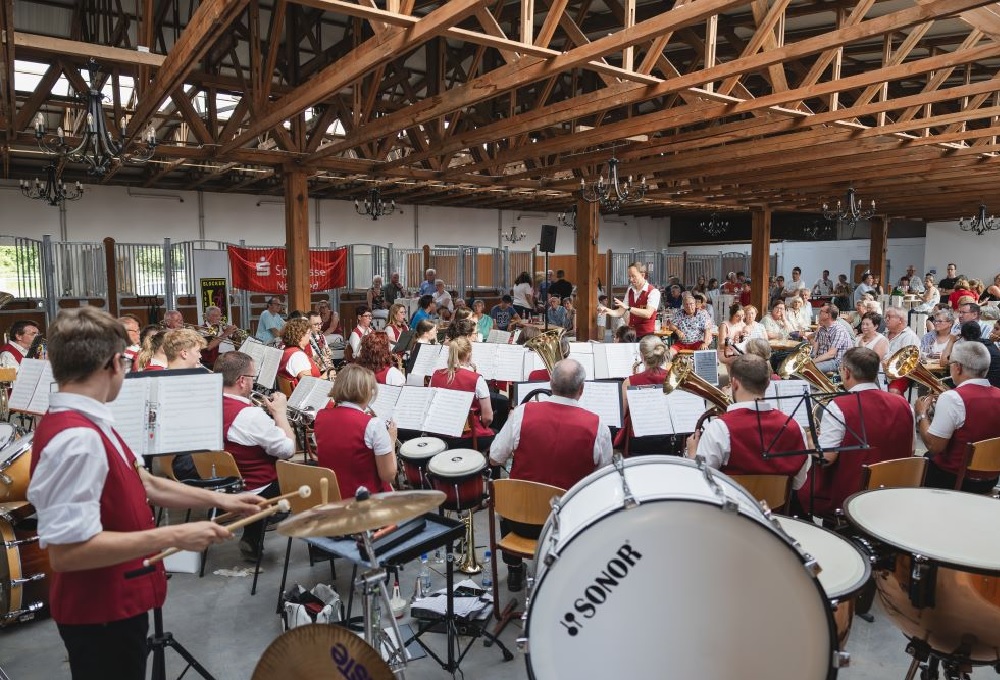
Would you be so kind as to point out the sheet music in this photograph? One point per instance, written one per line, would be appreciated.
(647, 406)
(427, 359)
(531, 362)
(253, 349)
(792, 390)
(268, 366)
(577, 348)
(189, 413)
(130, 410)
(615, 360)
(587, 361)
(412, 406)
(521, 390)
(684, 409)
(510, 360)
(484, 356)
(31, 389)
(498, 336)
(385, 401)
(604, 399)
(311, 393)
(448, 412)
(706, 365)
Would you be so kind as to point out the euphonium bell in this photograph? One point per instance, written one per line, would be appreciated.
(799, 363)
(906, 364)
(683, 377)
(548, 346)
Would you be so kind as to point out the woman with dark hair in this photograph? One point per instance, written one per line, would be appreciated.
(524, 300)
(625, 334)
(376, 356)
(870, 337)
(426, 332)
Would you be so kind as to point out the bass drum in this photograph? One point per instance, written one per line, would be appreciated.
(24, 572)
(661, 563)
(15, 464)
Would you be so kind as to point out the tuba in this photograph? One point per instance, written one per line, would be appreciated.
(799, 363)
(683, 377)
(548, 346)
(906, 364)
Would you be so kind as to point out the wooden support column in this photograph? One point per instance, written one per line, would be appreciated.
(297, 238)
(111, 269)
(760, 258)
(878, 248)
(588, 218)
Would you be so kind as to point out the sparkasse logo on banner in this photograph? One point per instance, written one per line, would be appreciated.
(264, 270)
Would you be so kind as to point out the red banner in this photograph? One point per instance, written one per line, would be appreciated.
(264, 270)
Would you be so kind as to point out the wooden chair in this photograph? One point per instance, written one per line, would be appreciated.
(292, 476)
(775, 490)
(890, 474)
(526, 503)
(218, 472)
(982, 458)
(285, 385)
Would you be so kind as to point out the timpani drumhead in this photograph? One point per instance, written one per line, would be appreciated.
(320, 651)
(422, 448)
(457, 463)
(844, 568)
(951, 527)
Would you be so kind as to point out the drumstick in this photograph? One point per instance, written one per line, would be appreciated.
(303, 491)
(281, 506)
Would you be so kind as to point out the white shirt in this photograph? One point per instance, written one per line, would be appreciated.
(509, 436)
(804, 317)
(949, 411)
(520, 294)
(792, 287)
(715, 444)
(823, 287)
(443, 300)
(8, 360)
(832, 432)
(67, 484)
(875, 342)
(394, 376)
(652, 300)
(356, 335)
(905, 338)
(376, 435)
(254, 427)
(297, 363)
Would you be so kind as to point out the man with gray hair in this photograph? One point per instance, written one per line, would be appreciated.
(968, 413)
(427, 286)
(554, 442)
(899, 335)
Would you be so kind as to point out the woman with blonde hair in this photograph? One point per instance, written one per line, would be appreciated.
(461, 375)
(358, 446)
(653, 371)
(152, 357)
(484, 322)
(397, 322)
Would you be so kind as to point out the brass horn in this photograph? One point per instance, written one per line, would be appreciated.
(799, 363)
(906, 364)
(548, 346)
(683, 377)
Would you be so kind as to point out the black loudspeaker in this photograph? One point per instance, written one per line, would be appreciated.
(548, 242)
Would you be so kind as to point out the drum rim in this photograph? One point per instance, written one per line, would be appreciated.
(770, 529)
(844, 594)
(411, 456)
(914, 550)
(461, 475)
(18, 448)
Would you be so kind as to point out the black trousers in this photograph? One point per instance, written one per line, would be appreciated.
(942, 479)
(109, 650)
(252, 533)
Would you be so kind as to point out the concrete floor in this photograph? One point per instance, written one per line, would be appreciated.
(227, 630)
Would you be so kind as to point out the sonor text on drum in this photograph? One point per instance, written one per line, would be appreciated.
(598, 592)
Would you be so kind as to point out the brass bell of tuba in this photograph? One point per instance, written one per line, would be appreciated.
(683, 377)
(799, 363)
(906, 364)
(548, 346)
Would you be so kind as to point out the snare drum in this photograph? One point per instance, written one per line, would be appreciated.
(24, 571)
(416, 454)
(943, 585)
(15, 467)
(845, 569)
(459, 474)
(680, 568)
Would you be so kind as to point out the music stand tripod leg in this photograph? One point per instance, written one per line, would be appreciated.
(377, 596)
(157, 644)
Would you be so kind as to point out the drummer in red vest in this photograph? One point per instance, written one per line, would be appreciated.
(888, 431)
(21, 335)
(640, 304)
(93, 499)
(296, 359)
(732, 442)
(353, 442)
(554, 442)
(968, 413)
(257, 438)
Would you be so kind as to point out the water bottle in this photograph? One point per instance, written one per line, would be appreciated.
(425, 575)
(487, 570)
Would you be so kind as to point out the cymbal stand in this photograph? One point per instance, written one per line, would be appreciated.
(375, 601)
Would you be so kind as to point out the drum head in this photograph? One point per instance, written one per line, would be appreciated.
(844, 568)
(946, 526)
(682, 585)
(318, 651)
(15, 449)
(422, 447)
(7, 434)
(457, 463)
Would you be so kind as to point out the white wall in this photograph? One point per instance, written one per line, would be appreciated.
(977, 257)
(815, 256)
(259, 220)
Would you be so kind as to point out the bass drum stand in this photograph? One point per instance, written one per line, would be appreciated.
(929, 664)
(158, 642)
(376, 600)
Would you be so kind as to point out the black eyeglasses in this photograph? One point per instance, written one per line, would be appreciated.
(111, 362)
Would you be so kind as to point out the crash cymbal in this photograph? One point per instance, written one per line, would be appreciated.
(320, 651)
(353, 516)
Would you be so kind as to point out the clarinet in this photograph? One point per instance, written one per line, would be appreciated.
(323, 359)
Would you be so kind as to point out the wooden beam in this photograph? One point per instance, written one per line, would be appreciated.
(82, 51)
(760, 257)
(8, 93)
(297, 238)
(879, 247)
(588, 216)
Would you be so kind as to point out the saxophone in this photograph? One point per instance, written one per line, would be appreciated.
(321, 355)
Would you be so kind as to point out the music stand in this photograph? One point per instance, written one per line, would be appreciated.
(158, 642)
(406, 339)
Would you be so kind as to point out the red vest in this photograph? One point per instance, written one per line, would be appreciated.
(647, 377)
(982, 421)
(15, 352)
(465, 381)
(283, 365)
(889, 431)
(95, 596)
(340, 446)
(539, 374)
(255, 465)
(642, 327)
(556, 445)
(381, 374)
(745, 455)
(154, 367)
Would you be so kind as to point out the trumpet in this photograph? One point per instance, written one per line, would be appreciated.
(301, 416)
(260, 398)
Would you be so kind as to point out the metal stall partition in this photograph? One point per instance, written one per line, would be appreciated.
(22, 274)
(618, 284)
(79, 276)
(673, 265)
(365, 261)
(733, 262)
(518, 261)
(144, 288)
(449, 262)
(700, 265)
(409, 264)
